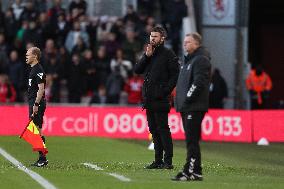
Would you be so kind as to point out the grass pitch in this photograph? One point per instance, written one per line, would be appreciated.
(225, 165)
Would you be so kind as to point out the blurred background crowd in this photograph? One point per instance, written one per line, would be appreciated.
(89, 57)
(85, 57)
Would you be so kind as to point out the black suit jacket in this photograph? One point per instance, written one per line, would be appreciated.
(160, 77)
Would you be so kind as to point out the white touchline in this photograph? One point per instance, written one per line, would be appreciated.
(93, 166)
(43, 182)
(119, 177)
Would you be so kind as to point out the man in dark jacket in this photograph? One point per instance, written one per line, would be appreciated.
(160, 68)
(218, 90)
(192, 99)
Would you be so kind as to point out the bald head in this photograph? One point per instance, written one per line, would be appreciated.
(36, 51)
(33, 55)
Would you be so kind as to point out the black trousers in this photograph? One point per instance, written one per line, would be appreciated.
(192, 128)
(160, 130)
(38, 118)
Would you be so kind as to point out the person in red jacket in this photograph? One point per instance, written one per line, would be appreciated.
(133, 87)
(259, 85)
(7, 91)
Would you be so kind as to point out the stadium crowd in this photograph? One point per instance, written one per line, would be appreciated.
(83, 56)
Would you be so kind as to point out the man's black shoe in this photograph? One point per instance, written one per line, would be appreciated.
(167, 166)
(154, 165)
(40, 163)
(181, 176)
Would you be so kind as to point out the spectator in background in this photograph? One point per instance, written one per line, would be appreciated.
(75, 80)
(174, 19)
(48, 52)
(64, 60)
(131, 46)
(7, 91)
(84, 22)
(124, 66)
(54, 12)
(218, 90)
(44, 29)
(79, 47)
(151, 21)
(91, 29)
(20, 33)
(103, 28)
(111, 45)
(103, 65)
(81, 5)
(15, 73)
(142, 20)
(133, 87)
(32, 34)
(11, 26)
(259, 85)
(118, 29)
(131, 15)
(146, 6)
(3, 54)
(143, 36)
(18, 8)
(41, 5)
(54, 69)
(99, 97)
(29, 13)
(91, 72)
(114, 85)
(61, 29)
(74, 34)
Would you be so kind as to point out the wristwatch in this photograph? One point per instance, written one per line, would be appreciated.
(36, 104)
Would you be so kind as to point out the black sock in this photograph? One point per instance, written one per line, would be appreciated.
(43, 139)
(40, 154)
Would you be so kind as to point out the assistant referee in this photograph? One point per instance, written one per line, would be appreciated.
(36, 95)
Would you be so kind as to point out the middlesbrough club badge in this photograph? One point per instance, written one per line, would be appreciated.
(219, 8)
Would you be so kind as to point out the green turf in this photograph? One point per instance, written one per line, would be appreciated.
(225, 165)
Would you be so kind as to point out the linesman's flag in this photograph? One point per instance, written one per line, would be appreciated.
(31, 135)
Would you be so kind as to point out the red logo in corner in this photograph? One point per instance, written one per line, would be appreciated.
(219, 8)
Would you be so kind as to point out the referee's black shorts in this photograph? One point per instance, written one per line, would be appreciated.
(38, 118)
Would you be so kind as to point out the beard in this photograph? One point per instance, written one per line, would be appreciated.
(155, 44)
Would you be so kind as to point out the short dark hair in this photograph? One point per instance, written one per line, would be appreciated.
(196, 36)
(36, 51)
(160, 30)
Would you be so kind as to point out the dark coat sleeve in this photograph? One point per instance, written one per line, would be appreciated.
(141, 65)
(201, 76)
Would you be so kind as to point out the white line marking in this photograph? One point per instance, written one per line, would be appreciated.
(93, 166)
(43, 182)
(119, 177)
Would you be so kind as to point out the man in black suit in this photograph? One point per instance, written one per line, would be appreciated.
(160, 68)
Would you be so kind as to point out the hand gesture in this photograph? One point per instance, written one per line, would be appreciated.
(149, 50)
